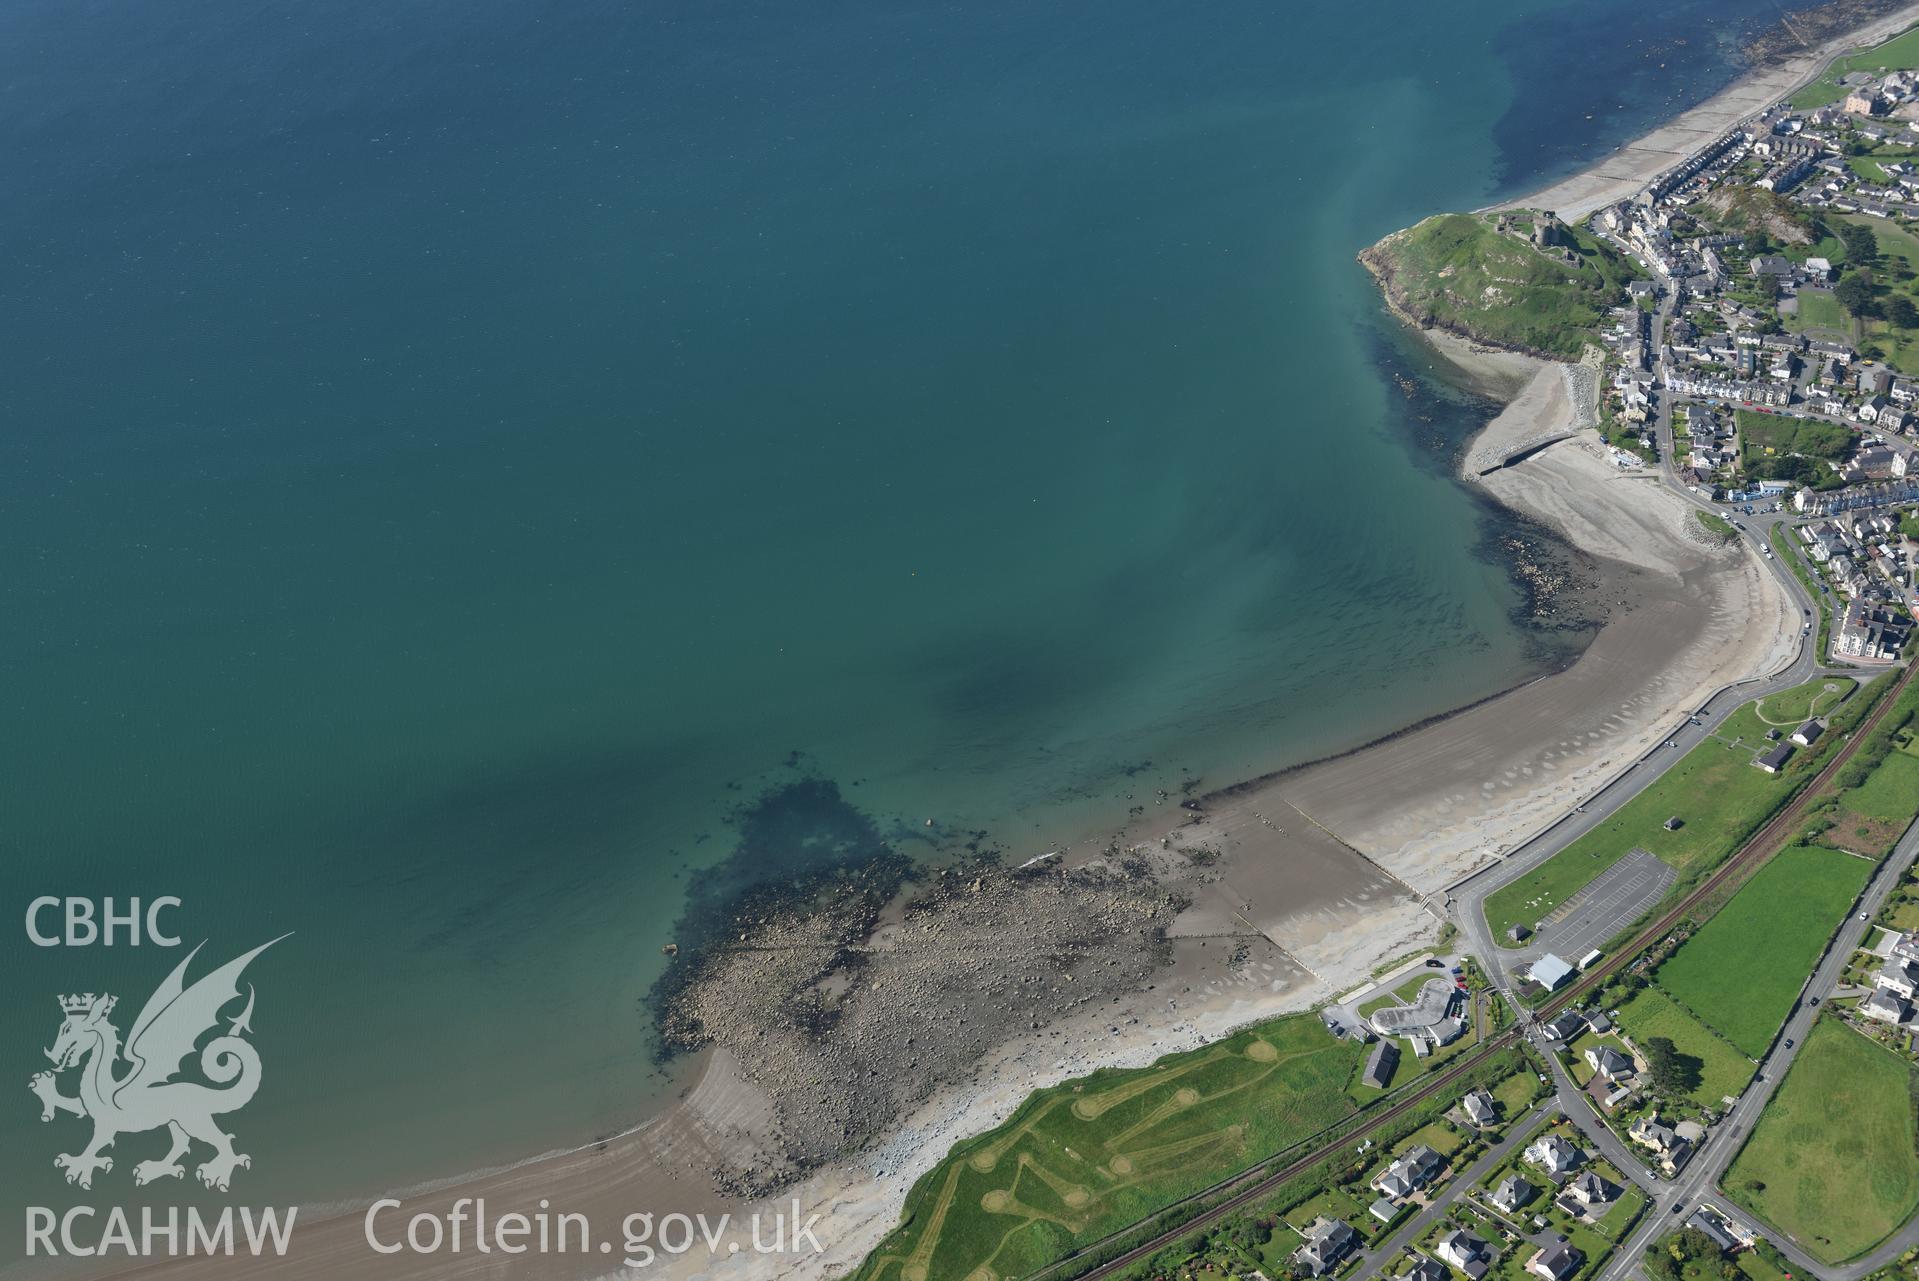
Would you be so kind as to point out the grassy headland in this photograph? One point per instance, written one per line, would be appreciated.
(1483, 277)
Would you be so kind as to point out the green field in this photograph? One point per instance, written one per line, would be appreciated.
(1088, 1157)
(1714, 789)
(1897, 54)
(1831, 1160)
(1796, 706)
(1818, 309)
(1742, 970)
(1890, 793)
(1723, 1070)
(1765, 436)
(1461, 273)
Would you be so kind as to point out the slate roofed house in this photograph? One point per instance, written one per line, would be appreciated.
(1899, 975)
(1710, 1225)
(1512, 1193)
(1589, 1190)
(1422, 1164)
(1609, 1063)
(1886, 1006)
(1772, 265)
(1554, 1155)
(1549, 971)
(1599, 1021)
(1648, 1132)
(1808, 734)
(1380, 1065)
(1555, 1262)
(1409, 1172)
(1772, 762)
(1565, 1026)
(1425, 1270)
(1479, 1108)
(1327, 1242)
(1464, 1251)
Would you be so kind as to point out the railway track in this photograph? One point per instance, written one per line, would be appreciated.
(1760, 846)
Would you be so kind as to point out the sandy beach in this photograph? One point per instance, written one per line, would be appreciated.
(1312, 880)
(1619, 175)
(1321, 876)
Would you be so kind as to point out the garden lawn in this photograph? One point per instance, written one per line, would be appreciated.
(1742, 970)
(1715, 790)
(1723, 1071)
(1831, 1160)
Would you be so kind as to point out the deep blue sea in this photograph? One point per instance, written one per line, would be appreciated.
(459, 463)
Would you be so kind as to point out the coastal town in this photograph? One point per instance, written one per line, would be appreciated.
(1676, 1035)
(1769, 359)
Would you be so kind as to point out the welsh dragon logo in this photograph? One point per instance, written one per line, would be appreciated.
(145, 1096)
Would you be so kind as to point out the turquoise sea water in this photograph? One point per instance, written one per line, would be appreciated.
(456, 457)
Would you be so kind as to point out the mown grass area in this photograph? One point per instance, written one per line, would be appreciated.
(1832, 1159)
(1402, 994)
(1088, 1157)
(1723, 1070)
(1715, 790)
(1742, 970)
(1796, 706)
(1819, 309)
(1717, 526)
(1460, 272)
(1897, 54)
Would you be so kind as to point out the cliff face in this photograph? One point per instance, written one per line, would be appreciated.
(1518, 280)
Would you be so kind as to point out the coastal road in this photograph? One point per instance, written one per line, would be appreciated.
(1699, 1180)
(1466, 899)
